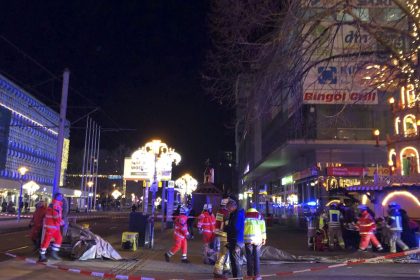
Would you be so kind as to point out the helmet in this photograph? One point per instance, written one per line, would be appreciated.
(224, 201)
(362, 207)
(183, 210)
(205, 207)
(394, 205)
(58, 196)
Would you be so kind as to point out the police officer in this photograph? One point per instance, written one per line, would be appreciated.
(309, 211)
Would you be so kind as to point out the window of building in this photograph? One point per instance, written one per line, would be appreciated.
(410, 126)
(409, 157)
(397, 125)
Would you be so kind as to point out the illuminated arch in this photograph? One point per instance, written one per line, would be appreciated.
(410, 118)
(333, 201)
(411, 96)
(400, 193)
(416, 153)
(397, 125)
(390, 155)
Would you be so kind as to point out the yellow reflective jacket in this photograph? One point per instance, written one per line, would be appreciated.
(254, 231)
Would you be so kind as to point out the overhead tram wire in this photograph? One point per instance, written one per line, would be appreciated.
(58, 78)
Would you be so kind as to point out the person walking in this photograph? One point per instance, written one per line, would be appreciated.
(235, 236)
(51, 228)
(205, 225)
(254, 237)
(222, 263)
(180, 236)
(367, 227)
(395, 226)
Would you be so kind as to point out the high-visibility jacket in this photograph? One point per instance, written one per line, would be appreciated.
(365, 224)
(334, 217)
(206, 222)
(222, 217)
(395, 222)
(181, 228)
(53, 216)
(254, 231)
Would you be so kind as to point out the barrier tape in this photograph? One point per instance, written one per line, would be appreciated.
(15, 215)
(283, 273)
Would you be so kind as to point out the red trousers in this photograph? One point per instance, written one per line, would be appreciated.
(366, 238)
(50, 234)
(179, 243)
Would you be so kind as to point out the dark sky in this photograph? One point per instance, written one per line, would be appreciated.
(140, 61)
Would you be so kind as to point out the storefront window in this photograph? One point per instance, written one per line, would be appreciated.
(410, 126)
(409, 157)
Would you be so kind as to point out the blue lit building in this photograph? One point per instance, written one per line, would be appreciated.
(28, 137)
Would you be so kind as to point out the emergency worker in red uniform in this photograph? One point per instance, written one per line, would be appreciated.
(37, 222)
(51, 229)
(205, 225)
(367, 227)
(180, 236)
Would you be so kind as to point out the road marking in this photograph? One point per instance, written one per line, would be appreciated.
(15, 249)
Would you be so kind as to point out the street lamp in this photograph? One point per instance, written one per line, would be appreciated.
(22, 171)
(90, 185)
(159, 157)
(186, 184)
(376, 133)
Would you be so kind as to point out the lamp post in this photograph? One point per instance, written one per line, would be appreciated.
(162, 157)
(22, 171)
(90, 185)
(376, 133)
(186, 184)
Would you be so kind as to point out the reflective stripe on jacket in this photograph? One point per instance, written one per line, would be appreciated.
(181, 229)
(221, 220)
(366, 224)
(254, 231)
(53, 215)
(395, 223)
(334, 217)
(206, 222)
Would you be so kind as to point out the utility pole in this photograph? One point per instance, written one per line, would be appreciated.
(60, 136)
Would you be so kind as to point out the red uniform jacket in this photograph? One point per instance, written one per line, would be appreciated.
(366, 224)
(181, 229)
(53, 217)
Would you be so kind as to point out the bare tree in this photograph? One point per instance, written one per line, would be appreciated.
(266, 53)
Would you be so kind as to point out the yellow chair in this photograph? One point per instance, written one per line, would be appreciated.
(129, 240)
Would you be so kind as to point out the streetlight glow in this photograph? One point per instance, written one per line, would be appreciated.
(22, 170)
(186, 184)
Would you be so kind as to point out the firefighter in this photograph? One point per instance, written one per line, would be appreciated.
(367, 227)
(180, 236)
(254, 237)
(51, 228)
(309, 211)
(205, 225)
(395, 226)
(222, 263)
(333, 219)
(36, 223)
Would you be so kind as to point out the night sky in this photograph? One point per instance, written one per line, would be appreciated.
(140, 61)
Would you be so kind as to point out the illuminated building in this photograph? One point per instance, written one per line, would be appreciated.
(313, 140)
(28, 137)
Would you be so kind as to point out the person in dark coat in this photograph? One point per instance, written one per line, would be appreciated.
(408, 234)
(235, 236)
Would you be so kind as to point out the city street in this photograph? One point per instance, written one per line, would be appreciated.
(150, 263)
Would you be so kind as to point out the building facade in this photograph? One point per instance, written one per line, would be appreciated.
(318, 139)
(28, 138)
